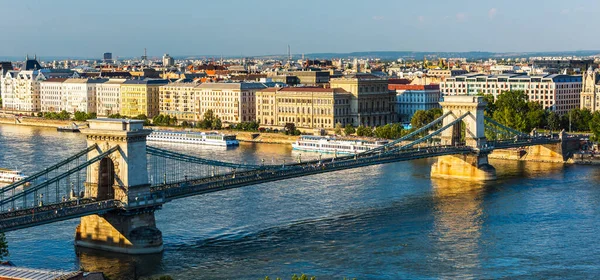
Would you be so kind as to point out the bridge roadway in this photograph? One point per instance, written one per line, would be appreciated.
(160, 194)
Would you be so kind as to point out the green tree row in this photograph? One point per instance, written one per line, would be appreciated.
(513, 109)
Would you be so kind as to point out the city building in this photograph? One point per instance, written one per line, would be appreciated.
(140, 97)
(232, 102)
(52, 95)
(80, 94)
(590, 93)
(559, 65)
(179, 100)
(371, 103)
(411, 98)
(107, 58)
(167, 60)
(445, 73)
(312, 78)
(108, 97)
(303, 106)
(558, 93)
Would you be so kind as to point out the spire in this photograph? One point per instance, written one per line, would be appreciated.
(34, 56)
(26, 57)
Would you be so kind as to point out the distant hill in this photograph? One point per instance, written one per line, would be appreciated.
(387, 55)
(468, 55)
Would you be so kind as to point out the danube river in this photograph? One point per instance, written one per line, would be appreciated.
(381, 222)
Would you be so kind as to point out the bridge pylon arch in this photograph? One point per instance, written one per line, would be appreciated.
(471, 166)
(122, 176)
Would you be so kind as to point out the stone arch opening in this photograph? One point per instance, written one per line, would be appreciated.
(106, 179)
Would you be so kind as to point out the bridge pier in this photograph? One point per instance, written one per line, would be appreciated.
(122, 176)
(467, 167)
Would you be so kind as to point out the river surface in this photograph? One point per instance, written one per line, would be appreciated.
(392, 221)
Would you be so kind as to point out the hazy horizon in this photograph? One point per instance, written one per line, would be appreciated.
(244, 28)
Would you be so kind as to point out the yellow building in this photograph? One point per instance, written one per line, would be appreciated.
(305, 107)
(140, 97)
(372, 103)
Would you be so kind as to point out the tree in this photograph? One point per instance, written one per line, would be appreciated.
(511, 110)
(553, 121)
(420, 118)
(364, 131)
(491, 106)
(3, 246)
(290, 128)
(338, 129)
(536, 116)
(349, 129)
(595, 126)
(80, 116)
(217, 124)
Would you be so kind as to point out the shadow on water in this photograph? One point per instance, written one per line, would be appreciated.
(118, 266)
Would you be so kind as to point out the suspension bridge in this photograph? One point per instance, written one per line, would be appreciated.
(117, 183)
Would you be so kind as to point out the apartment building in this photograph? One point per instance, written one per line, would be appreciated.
(412, 98)
(558, 93)
(140, 97)
(108, 97)
(80, 94)
(305, 107)
(179, 100)
(52, 95)
(232, 102)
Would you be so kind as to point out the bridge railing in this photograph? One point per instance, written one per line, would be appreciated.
(51, 190)
(58, 212)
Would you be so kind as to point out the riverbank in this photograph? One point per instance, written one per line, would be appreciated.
(34, 121)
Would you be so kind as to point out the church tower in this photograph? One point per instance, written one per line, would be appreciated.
(589, 97)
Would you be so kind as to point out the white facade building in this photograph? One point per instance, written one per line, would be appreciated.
(558, 93)
(81, 94)
(52, 97)
(21, 91)
(108, 97)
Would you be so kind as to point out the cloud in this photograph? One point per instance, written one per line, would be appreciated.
(492, 13)
(565, 11)
(460, 17)
(378, 17)
(421, 19)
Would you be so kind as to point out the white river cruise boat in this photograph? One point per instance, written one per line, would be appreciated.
(325, 144)
(188, 137)
(10, 176)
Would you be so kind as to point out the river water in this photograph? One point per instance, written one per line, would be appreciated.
(538, 220)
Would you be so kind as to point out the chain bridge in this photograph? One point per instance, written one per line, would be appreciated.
(117, 183)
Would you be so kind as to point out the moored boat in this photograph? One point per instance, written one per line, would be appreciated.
(189, 137)
(70, 128)
(10, 176)
(324, 144)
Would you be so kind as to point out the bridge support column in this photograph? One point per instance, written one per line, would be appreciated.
(134, 233)
(122, 176)
(468, 167)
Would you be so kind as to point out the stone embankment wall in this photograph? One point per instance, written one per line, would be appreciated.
(34, 121)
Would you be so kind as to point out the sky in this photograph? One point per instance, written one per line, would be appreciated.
(69, 28)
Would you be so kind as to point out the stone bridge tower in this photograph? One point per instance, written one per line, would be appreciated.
(122, 176)
(472, 166)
